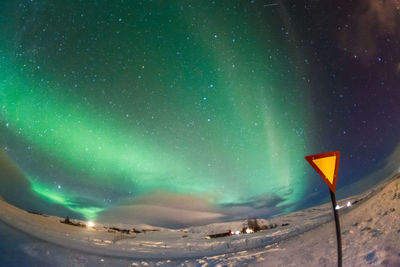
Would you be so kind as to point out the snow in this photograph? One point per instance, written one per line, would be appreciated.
(370, 234)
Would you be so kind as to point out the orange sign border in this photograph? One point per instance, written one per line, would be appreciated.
(324, 155)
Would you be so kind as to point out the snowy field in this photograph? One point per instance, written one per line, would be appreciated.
(370, 236)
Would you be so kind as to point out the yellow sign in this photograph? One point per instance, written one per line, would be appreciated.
(327, 165)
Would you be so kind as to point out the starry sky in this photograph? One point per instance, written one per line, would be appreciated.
(104, 102)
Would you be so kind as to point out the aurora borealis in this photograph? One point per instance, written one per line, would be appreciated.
(103, 101)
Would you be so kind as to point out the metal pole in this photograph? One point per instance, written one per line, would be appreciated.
(338, 232)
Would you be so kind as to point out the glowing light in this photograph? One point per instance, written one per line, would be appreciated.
(237, 232)
(90, 224)
(109, 138)
(67, 199)
(248, 231)
(348, 204)
(337, 207)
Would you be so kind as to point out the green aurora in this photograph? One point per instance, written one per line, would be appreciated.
(188, 98)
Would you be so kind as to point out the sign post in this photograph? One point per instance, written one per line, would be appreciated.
(327, 166)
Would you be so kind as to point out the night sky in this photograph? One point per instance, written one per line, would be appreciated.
(104, 102)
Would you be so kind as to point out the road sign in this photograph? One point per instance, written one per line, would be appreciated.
(327, 166)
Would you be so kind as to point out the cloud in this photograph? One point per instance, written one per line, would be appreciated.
(13, 184)
(17, 190)
(262, 206)
(371, 20)
(169, 217)
(390, 168)
(181, 201)
(161, 208)
(381, 14)
(170, 210)
(157, 208)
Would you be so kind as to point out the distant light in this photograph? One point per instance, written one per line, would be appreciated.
(237, 232)
(90, 224)
(248, 231)
(348, 204)
(337, 207)
(59, 186)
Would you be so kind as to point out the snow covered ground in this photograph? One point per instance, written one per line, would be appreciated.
(370, 235)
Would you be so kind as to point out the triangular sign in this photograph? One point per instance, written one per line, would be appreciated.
(327, 166)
